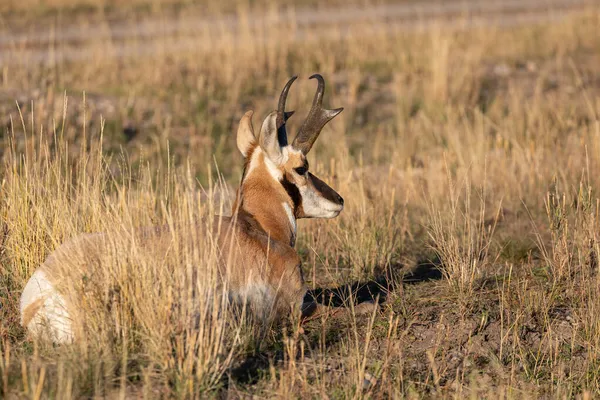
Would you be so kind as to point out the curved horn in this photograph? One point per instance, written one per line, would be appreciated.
(282, 115)
(316, 119)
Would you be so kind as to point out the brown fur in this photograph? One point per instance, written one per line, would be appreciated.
(248, 256)
(262, 198)
(255, 243)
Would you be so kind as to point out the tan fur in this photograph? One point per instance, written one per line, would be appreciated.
(31, 310)
(248, 257)
(295, 160)
(255, 244)
(260, 192)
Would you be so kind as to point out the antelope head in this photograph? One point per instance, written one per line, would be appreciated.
(278, 172)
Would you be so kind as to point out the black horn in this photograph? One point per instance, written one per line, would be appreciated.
(282, 115)
(317, 118)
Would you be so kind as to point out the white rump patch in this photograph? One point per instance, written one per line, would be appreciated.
(52, 316)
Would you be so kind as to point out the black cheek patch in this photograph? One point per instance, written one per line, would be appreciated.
(293, 192)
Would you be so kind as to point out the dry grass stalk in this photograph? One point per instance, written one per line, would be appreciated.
(513, 110)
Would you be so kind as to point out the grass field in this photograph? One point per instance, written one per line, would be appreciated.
(467, 159)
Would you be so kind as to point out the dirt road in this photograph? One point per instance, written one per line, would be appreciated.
(76, 42)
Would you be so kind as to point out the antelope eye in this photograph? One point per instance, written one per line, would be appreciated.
(301, 170)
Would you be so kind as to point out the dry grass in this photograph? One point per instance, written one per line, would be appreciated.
(471, 153)
(33, 11)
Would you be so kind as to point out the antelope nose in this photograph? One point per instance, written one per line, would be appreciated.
(340, 200)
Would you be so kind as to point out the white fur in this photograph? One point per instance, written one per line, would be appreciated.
(287, 150)
(290, 215)
(254, 293)
(253, 161)
(316, 206)
(258, 296)
(273, 170)
(268, 138)
(271, 167)
(52, 315)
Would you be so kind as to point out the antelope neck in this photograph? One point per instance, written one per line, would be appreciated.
(264, 199)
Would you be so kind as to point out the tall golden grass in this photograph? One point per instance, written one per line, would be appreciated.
(471, 150)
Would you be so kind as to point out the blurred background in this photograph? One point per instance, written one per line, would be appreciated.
(183, 72)
(468, 150)
(503, 94)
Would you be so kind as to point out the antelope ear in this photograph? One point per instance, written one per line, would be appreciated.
(245, 134)
(268, 139)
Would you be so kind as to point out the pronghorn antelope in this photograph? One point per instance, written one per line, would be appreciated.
(276, 189)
